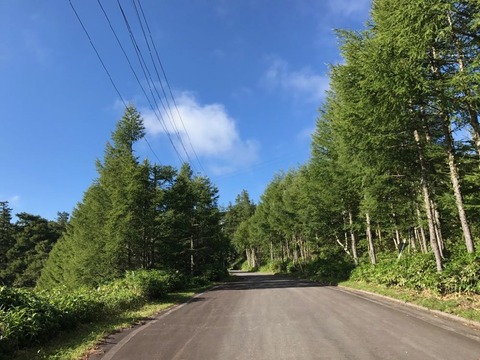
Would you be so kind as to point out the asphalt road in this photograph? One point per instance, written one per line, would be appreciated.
(266, 317)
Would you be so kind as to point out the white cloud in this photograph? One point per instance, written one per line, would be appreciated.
(350, 7)
(209, 128)
(301, 84)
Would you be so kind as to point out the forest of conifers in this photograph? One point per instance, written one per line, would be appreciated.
(140, 232)
(390, 193)
(394, 173)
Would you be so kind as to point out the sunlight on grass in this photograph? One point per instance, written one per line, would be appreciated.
(463, 305)
(85, 339)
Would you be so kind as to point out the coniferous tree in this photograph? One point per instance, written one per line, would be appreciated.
(34, 238)
(6, 234)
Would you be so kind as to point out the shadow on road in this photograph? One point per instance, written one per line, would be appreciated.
(254, 281)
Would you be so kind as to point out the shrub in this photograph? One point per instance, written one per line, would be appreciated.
(461, 272)
(25, 318)
(73, 307)
(149, 284)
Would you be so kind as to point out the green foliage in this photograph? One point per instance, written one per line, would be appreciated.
(461, 273)
(245, 266)
(138, 216)
(28, 317)
(332, 267)
(6, 233)
(275, 266)
(25, 318)
(385, 159)
(417, 271)
(26, 246)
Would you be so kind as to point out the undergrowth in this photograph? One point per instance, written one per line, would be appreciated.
(28, 317)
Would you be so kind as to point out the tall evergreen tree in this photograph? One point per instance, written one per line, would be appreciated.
(104, 237)
(6, 235)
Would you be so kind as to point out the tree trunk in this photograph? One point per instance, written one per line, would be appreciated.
(413, 239)
(397, 237)
(422, 232)
(344, 246)
(192, 263)
(454, 176)
(438, 229)
(426, 199)
(371, 248)
(380, 238)
(455, 179)
(287, 249)
(353, 239)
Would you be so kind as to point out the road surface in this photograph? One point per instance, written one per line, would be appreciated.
(267, 317)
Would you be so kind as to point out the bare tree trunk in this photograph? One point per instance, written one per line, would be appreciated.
(301, 247)
(413, 239)
(380, 238)
(353, 238)
(344, 246)
(426, 199)
(253, 256)
(192, 262)
(371, 248)
(287, 248)
(422, 232)
(396, 235)
(438, 229)
(398, 239)
(455, 178)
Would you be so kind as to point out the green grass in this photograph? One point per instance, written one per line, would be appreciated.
(464, 305)
(86, 338)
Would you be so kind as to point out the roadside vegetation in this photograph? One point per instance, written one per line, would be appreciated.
(388, 201)
(140, 232)
(67, 324)
(389, 198)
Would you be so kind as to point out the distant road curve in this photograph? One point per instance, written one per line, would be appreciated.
(269, 317)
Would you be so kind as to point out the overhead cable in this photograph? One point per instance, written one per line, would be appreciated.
(106, 70)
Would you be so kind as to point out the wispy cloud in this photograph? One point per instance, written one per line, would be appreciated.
(34, 46)
(305, 134)
(210, 130)
(303, 83)
(349, 8)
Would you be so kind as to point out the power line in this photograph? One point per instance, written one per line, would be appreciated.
(168, 84)
(147, 76)
(169, 111)
(131, 67)
(105, 69)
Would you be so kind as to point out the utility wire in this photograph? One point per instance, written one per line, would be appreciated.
(106, 70)
(146, 73)
(129, 63)
(168, 85)
(169, 112)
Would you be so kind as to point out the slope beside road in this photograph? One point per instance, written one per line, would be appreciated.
(269, 317)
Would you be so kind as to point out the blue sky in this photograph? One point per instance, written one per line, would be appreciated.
(248, 77)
